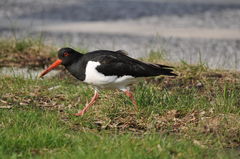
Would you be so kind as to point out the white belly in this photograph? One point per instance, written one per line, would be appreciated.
(100, 80)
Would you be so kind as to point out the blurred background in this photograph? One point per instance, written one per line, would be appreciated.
(183, 30)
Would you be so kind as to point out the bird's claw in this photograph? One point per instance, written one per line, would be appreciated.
(80, 113)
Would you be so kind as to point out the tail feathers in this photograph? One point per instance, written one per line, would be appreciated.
(164, 66)
(164, 70)
(168, 72)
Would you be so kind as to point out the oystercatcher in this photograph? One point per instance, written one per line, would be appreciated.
(106, 69)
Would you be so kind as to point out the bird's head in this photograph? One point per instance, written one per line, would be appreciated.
(66, 56)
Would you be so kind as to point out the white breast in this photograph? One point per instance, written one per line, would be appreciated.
(92, 76)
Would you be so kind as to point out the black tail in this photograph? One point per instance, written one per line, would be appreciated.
(164, 70)
(168, 72)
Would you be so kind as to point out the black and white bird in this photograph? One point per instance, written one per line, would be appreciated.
(107, 69)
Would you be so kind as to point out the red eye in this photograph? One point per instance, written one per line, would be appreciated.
(66, 54)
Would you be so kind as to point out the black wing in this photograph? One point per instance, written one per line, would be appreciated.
(119, 64)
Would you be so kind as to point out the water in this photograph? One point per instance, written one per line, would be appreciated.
(25, 72)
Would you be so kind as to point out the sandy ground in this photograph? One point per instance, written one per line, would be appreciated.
(119, 28)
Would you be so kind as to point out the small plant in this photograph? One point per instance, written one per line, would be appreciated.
(22, 45)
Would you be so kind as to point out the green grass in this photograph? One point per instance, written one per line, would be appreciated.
(195, 115)
(177, 118)
(35, 133)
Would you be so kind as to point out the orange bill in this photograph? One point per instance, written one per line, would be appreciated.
(54, 65)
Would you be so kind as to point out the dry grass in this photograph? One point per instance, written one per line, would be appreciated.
(25, 53)
(194, 115)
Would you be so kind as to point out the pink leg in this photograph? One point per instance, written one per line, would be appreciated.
(130, 95)
(93, 100)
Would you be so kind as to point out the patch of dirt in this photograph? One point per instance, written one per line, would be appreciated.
(25, 59)
(34, 99)
(174, 121)
(25, 53)
(199, 81)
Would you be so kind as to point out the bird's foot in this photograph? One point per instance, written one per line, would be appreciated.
(80, 113)
(130, 95)
(93, 100)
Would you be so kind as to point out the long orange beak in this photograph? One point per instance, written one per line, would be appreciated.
(54, 65)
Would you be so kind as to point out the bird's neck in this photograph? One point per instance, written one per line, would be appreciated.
(77, 68)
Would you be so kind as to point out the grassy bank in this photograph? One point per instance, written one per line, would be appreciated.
(194, 115)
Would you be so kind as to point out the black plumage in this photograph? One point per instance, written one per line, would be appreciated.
(113, 63)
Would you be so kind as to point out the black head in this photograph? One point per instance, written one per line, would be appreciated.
(68, 55)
